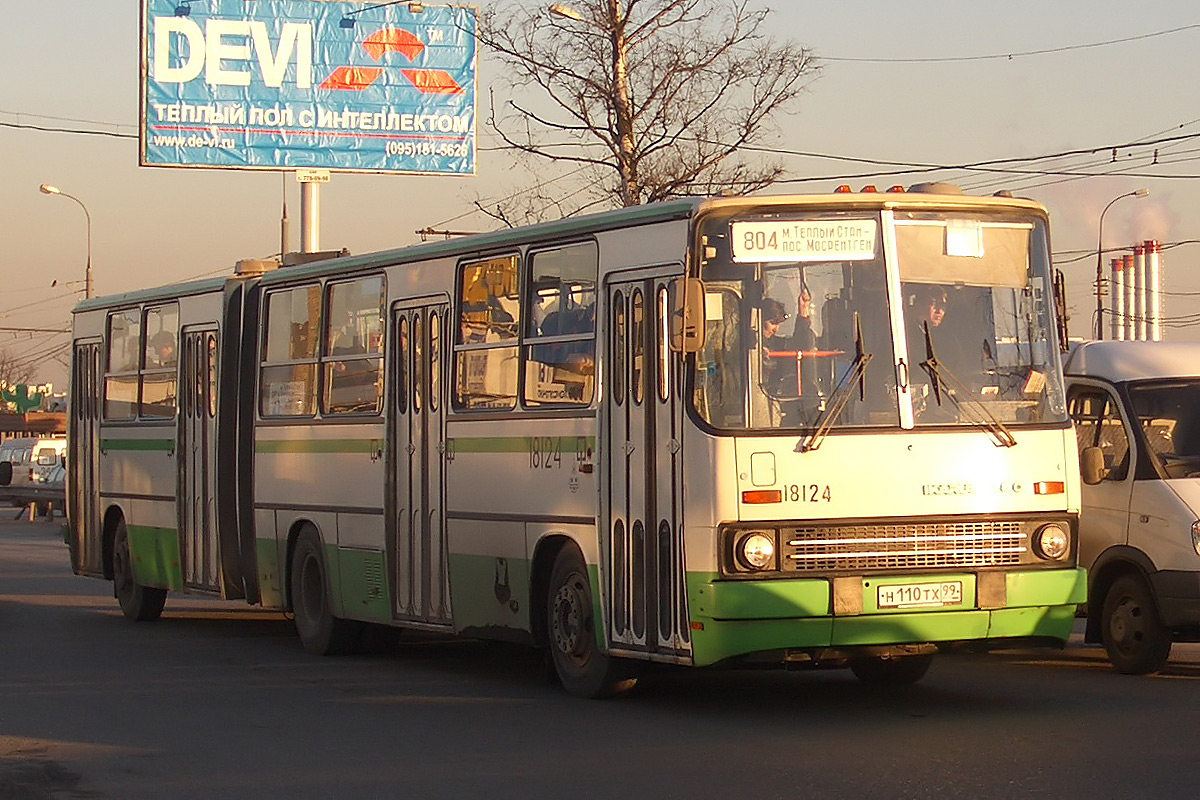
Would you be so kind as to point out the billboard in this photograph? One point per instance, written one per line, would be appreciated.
(300, 84)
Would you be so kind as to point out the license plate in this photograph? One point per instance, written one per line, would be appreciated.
(920, 595)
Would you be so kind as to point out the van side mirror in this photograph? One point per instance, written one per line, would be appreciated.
(1091, 465)
(687, 315)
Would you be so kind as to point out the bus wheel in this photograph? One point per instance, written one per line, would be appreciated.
(138, 603)
(900, 671)
(582, 669)
(321, 633)
(1136, 642)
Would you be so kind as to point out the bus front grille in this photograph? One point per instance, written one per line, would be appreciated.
(931, 545)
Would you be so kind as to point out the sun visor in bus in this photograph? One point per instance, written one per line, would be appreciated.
(966, 252)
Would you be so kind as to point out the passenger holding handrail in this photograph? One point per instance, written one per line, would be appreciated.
(785, 375)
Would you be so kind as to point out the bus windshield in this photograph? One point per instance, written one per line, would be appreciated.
(892, 319)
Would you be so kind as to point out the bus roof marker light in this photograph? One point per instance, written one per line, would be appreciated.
(870, 189)
(843, 189)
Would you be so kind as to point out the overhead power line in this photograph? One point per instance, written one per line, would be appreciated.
(1008, 56)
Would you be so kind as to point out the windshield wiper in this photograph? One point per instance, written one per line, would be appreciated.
(856, 375)
(941, 379)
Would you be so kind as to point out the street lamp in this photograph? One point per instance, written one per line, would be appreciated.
(566, 11)
(87, 283)
(1100, 259)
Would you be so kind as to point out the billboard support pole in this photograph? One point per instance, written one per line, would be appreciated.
(310, 217)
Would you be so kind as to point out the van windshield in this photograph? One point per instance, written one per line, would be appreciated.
(1169, 415)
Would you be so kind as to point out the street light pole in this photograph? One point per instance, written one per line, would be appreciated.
(1100, 259)
(87, 282)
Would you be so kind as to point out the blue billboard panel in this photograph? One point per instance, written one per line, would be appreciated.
(297, 84)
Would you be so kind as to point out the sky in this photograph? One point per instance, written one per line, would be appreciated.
(915, 83)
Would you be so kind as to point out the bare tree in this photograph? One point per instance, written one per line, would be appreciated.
(658, 98)
(14, 369)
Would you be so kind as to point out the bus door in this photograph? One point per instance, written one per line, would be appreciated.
(417, 443)
(83, 461)
(197, 507)
(643, 531)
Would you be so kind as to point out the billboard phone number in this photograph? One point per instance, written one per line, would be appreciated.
(428, 148)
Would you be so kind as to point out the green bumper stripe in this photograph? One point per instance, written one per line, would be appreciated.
(734, 618)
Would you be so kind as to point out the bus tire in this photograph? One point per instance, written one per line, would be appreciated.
(138, 603)
(901, 671)
(1134, 638)
(581, 667)
(321, 633)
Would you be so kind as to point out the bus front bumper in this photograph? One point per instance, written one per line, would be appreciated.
(730, 619)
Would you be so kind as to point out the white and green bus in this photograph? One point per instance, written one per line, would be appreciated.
(798, 430)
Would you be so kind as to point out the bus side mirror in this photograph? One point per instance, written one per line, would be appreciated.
(1091, 465)
(687, 315)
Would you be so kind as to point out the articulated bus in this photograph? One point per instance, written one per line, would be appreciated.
(797, 430)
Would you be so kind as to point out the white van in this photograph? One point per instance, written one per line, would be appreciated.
(30, 459)
(1136, 409)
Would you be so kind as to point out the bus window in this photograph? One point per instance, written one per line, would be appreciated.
(435, 359)
(969, 299)
(637, 358)
(662, 344)
(353, 354)
(288, 377)
(402, 365)
(121, 378)
(211, 387)
(720, 391)
(486, 353)
(618, 347)
(161, 359)
(560, 333)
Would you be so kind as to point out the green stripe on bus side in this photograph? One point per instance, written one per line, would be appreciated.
(153, 445)
(155, 555)
(318, 445)
(511, 444)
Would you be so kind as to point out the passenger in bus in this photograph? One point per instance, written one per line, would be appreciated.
(574, 356)
(779, 350)
(162, 350)
(932, 310)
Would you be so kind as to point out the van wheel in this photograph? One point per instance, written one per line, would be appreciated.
(582, 668)
(320, 632)
(900, 671)
(138, 603)
(1136, 642)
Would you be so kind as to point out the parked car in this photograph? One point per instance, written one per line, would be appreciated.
(29, 460)
(1136, 409)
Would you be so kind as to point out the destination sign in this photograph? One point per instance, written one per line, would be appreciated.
(804, 240)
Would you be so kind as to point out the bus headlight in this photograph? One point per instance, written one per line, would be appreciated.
(756, 551)
(1196, 536)
(1051, 542)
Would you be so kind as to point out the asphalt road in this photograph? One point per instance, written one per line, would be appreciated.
(218, 700)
